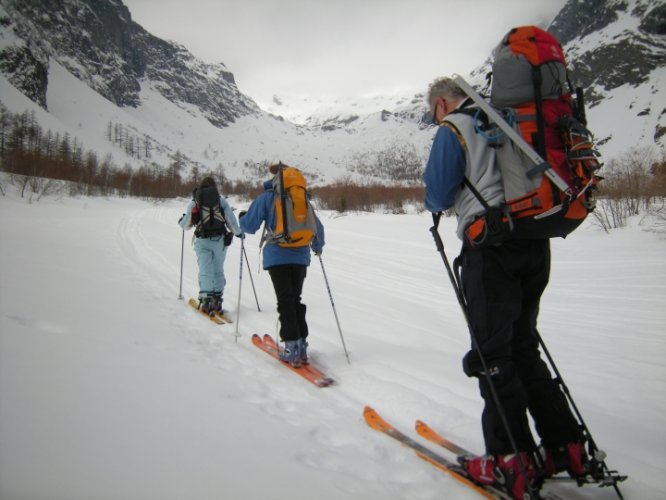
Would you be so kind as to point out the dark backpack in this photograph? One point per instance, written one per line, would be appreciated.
(207, 215)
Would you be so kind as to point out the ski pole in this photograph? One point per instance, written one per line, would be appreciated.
(240, 285)
(182, 253)
(250, 275)
(595, 452)
(463, 305)
(335, 313)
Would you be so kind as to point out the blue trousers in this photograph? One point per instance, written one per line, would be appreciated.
(211, 253)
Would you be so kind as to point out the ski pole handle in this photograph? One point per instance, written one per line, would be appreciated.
(435, 233)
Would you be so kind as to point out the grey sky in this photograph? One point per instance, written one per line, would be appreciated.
(337, 49)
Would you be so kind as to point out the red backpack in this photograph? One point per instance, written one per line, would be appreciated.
(531, 90)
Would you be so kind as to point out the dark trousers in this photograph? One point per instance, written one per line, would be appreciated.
(288, 284)
(503, 286)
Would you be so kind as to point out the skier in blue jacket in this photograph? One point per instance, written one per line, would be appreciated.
(287, 268)
(211, 245)
(502, 284)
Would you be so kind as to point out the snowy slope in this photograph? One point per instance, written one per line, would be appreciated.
(111, 388)
(85, 114)
(622, 116)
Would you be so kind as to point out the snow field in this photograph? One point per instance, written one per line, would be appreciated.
(110, 387)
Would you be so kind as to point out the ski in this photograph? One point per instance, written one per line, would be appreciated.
(224, 317)
(610, 478)
(425, 431)
(308, 371)
(377, 423)
(214, 318)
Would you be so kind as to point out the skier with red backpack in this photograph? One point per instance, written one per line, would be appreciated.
(215, 226)
(507, 209)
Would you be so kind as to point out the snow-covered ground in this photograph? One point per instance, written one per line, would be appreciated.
(112, 388)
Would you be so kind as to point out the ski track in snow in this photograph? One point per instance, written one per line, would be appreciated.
(401, 323)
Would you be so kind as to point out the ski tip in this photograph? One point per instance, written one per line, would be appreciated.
(324, 382)
(422, 428)
(224, 317)
(373, 419)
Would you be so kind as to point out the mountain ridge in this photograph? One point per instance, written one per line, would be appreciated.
(167, 97)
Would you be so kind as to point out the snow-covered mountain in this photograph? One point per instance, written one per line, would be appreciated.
(84, 68)
(617, 50)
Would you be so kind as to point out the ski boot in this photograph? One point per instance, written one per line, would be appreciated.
(570, 457)
(303, 347)
(503, 472)
(291, 353)
(217, 303)
(206, 305)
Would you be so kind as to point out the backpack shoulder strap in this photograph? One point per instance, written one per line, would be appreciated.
(456, 132)
(476, 193)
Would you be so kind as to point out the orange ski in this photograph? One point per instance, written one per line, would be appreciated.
(424, 430)
(456, 471)
(308, 372)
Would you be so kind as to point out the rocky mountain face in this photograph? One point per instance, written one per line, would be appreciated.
(612, 43)
(97, 41)
(608, 44)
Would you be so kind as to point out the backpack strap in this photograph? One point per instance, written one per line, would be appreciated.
(283, 200)
(475, 192)
(456, 132)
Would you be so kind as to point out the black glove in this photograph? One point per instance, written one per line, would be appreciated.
(241, 236)
(181, 218)
(241, 213)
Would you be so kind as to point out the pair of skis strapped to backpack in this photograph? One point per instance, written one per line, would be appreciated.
(539, 163)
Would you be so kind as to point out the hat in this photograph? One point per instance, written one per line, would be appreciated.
(275, 167)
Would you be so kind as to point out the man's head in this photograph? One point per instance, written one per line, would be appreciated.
(444, 95)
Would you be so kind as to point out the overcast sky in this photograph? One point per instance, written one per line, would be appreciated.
(332, 49)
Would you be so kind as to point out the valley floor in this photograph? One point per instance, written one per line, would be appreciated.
(112, 388)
